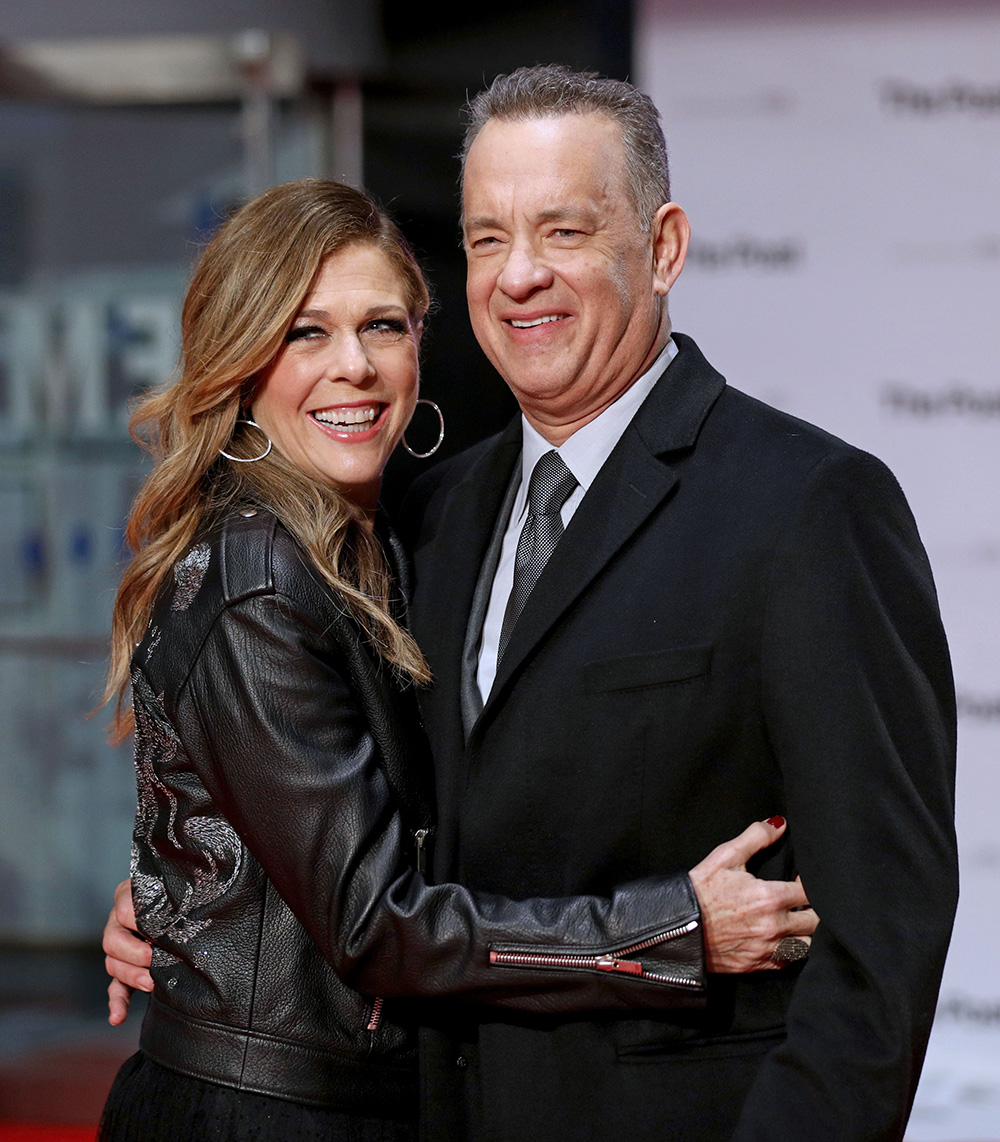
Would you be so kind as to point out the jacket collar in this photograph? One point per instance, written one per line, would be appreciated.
(637, 478)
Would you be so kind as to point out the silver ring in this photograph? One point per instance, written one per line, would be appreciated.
(790, 949)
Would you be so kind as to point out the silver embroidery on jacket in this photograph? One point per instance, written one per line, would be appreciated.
(154, 641)
(188, 575)
(209, 843)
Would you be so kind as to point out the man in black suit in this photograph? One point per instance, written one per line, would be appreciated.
(738, 619)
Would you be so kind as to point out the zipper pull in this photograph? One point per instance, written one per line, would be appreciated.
(627, 967)
(420, 838)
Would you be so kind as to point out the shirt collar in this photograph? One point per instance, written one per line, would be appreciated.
(585, 452)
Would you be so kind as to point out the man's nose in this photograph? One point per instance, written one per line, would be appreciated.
(523, 273)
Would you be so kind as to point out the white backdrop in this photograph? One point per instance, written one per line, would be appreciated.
(843, 183)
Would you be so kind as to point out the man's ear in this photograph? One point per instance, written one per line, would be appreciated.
(671, 233)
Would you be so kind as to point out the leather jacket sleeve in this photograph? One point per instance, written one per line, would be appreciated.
(273, 725)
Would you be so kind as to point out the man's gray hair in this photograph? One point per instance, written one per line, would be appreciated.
(552, 90)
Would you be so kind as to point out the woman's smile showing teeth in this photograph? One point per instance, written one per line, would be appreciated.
(351, 419)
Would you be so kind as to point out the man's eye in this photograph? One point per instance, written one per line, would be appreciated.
(565, 232)
(485, 242)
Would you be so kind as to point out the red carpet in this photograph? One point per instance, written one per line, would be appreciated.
(13, 1132)
(56, 1094)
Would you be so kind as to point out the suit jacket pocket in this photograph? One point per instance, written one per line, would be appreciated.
(638, 671)
(701, 1048)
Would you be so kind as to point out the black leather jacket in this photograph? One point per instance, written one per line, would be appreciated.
(282, 774)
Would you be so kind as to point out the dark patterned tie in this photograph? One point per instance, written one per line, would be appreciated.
(550, 486)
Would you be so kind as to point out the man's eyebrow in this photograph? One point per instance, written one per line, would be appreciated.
(483, 222)
(549, 214)
(566, 214)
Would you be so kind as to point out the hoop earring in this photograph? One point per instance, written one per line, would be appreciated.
(437, 443)
(249, 459)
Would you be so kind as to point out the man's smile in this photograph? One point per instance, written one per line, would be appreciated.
(530, 323)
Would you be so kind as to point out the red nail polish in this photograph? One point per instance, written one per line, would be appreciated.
(776, 822)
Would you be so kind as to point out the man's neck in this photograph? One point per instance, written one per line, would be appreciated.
(558, 431)
(598, 436)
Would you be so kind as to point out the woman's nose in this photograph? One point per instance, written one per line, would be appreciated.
(349, 361)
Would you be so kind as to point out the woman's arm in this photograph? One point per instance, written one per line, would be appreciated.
(743, 919)
(275, 729)
(273, 720)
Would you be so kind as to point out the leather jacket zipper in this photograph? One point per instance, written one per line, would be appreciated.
(612, 961)
(422, 841)
(375, 1017)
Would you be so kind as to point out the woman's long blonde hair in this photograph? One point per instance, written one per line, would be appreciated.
(250, 282)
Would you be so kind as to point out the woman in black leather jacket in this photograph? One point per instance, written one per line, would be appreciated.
(281, 766)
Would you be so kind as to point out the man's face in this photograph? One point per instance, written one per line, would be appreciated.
(566, 290)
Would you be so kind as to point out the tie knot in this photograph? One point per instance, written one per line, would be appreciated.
(551, 484)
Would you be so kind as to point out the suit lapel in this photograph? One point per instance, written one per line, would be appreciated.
(637, 478)
(448, 568)
(472, 699)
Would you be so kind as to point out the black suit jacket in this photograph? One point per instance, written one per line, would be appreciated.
(739, 621)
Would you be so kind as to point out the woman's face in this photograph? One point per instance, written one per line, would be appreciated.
(343, 387)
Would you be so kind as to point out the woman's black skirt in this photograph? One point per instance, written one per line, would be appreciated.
(149, 1103)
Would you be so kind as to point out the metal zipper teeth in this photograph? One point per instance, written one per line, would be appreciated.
(651, 941)
(550, 960)
(594, 963)
(676, 980)
(609, 961)
(376, 1016)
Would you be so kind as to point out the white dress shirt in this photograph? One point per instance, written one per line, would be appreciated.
(584, 453)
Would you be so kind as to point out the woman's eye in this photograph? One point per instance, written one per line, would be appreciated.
(304, 332)
(392, 325)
